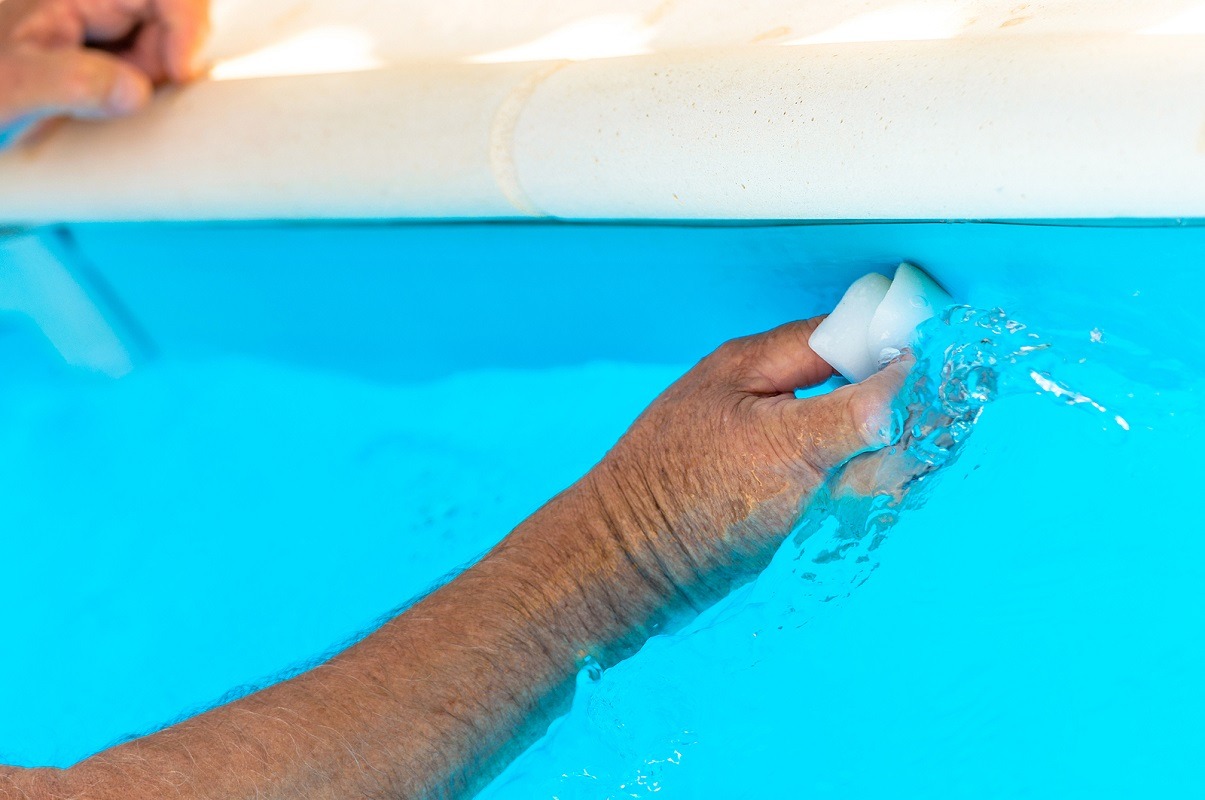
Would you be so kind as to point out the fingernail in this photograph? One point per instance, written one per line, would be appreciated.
(885, 425)
(897, 370)
(887, 355)
(129, 93)
(888, 421)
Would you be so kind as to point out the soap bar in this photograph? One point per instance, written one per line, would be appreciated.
(841, 338)
(876, 314)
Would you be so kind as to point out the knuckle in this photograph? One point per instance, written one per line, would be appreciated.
(733, 350)
(859, 409)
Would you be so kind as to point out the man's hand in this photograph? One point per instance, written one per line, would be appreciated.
(92, 59)
(692, 500)
(712, 477)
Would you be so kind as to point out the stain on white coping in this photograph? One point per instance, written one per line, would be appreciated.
(951, 129)
(411, 141)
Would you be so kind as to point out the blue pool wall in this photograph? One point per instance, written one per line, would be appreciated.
(329, 401)
(401, 302)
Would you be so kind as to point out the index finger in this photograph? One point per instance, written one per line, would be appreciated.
(781, 360)
(184, 25)
(171, 30)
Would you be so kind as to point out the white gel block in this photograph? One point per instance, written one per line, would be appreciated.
(913, 298)
(841, 338)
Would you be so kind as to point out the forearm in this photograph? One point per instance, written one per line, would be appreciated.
(693, 500)
(436, 700)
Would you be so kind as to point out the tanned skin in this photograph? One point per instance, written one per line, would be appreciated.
(690, 503)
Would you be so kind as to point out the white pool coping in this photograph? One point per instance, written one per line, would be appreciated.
(1096, 111)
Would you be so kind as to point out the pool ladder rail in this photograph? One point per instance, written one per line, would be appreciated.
(44, 278)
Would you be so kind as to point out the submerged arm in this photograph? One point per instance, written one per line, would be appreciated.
(692, 501)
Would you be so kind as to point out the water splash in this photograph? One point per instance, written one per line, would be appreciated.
(965, 359)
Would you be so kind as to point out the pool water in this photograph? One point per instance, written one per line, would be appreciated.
(198, 527)
(1024, 622)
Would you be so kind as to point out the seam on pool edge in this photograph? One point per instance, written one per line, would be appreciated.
(502, 140)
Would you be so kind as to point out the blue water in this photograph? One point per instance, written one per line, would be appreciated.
(1025, 622)
(201, 526)
(1021, 621)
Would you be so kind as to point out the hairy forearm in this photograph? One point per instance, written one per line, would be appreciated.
(693, 500)
(433, 703)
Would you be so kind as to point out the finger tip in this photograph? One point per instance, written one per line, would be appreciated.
(883, 418)
(199, 68)
(883, 426)
(187, 64)
(181, 51)
(893, 376)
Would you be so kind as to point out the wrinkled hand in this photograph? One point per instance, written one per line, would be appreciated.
(92, 59)
(718, 470)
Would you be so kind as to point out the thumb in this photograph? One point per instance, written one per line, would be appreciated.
(71, 82)
(837, 426)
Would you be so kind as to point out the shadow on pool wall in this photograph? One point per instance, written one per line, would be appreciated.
(413, 301)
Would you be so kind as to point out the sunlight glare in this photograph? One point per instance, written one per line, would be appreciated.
(913, 22)
(605, 36)
(320, 51)
(1190, 22)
